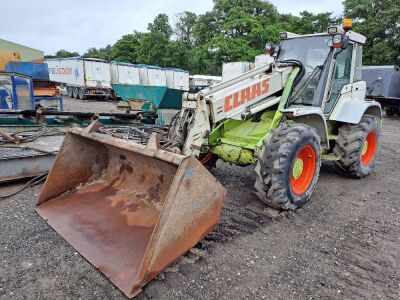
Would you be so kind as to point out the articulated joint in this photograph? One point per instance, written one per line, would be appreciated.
(193, 97)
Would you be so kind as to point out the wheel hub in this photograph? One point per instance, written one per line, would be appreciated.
(369, 148)
(365, 148)
(297, 168)
(303, 170)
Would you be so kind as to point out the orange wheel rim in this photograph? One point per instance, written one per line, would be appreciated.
(303, 170)
(206, 158)
(369, 149)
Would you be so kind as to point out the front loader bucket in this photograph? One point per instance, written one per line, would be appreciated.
(130, 210)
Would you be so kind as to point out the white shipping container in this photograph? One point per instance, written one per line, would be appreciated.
(125, 74)
(156, 77)
(181, 80)
(80, 72)
(143, 76)
(170, 78)
(234, 69)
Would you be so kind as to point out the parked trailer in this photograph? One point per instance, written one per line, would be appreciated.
(383, 85)
(82, 77)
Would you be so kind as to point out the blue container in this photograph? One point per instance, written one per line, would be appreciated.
(38, 71)
(16, 92)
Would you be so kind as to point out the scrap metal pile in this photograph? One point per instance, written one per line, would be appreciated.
(139, 133)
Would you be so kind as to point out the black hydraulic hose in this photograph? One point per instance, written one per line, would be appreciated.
(296, 63)
(34, 181)
(299, 77)
(172, 123)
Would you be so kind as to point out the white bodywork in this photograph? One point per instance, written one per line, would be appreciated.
(230, 100)
(122, 73)
(80, 72)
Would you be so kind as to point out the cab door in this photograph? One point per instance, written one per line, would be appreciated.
(342, 78)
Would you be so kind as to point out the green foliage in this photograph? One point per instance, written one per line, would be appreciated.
(63, 54)
(101, 53)
(184, 27)
(126, 48)
(152, 49)
(237, 30)
(379, 21)
(161, 26)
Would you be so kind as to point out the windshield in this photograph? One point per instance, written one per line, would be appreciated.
(310, 51)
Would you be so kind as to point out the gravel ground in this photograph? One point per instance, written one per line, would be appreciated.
(90, 105)
(345, 243)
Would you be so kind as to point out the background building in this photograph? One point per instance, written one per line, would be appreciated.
(27, 53)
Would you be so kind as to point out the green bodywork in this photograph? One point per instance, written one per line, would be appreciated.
(239, 141)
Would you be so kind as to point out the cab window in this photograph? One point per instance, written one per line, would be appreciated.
(341, 76)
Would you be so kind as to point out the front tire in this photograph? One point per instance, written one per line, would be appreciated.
(358, 147)
(288, 166)
(209, 160)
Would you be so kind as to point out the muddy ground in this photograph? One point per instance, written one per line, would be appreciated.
(344, 244)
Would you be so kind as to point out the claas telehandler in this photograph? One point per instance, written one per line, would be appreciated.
(132, 209)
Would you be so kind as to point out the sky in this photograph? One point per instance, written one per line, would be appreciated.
(76, 25)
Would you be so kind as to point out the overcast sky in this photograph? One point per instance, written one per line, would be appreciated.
(77, 25)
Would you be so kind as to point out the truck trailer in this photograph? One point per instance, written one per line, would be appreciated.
(383, 85)
(82, 77)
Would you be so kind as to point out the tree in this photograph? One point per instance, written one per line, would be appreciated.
(237, 30)
(101, 53)
(184, 27)
(379, 21)
(63, 54)
(161, 26)
(243, 27)
(126, 48)
(206, 27)
(152, 49)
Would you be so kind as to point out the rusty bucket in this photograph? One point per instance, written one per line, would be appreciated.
(130, 210)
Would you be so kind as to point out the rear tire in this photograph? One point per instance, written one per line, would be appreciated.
(76, 93)
(288, 166)
(390, 112)
(70, 92)
(82, 94)
(358, 147)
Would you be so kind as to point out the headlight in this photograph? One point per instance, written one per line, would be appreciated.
(337, 41)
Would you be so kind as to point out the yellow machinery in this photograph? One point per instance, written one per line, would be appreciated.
(7, 56)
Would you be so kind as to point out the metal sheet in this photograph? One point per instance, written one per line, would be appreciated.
(28, 159)
(25, 167)
(129, 209)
